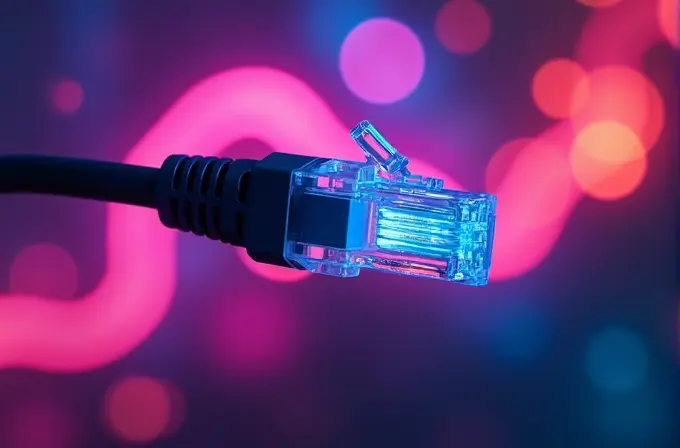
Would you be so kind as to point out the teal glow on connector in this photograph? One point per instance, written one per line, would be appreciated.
(344, 216)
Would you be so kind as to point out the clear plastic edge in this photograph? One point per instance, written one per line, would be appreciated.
(345, 216)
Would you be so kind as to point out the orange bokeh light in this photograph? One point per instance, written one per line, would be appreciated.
(608, 160)
(667, 13)
(141, 409)
(554, 88)
(622, 94)
(599, 3)
(463, 26)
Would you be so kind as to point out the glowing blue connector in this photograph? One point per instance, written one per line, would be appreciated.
(344, 216)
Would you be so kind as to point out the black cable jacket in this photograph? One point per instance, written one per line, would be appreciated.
(88, 179)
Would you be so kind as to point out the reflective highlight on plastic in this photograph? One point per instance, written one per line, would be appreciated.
(346, 215)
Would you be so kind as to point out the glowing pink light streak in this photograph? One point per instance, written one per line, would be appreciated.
(139, 281)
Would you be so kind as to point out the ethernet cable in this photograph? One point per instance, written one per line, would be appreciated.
(322, 215)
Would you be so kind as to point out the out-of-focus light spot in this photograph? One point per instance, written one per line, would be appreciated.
(501, 161)
(523, 239)
(270, 272)
(463, 26)
(253, 337)
(141, 409)
(604, 40)
(40, 425)
(177, 408)
(537, 182)
(617, 360)
(515, 332)
(328, 22)
(554, 88)
(622, 94)
(528, 246)
(598, 3)
(45, 270)
(667, 13)
(67, 96)
(382, 61)
(608, 160)
(638, 418)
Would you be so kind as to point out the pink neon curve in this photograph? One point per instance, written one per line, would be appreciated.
(141, 260)
(139, 282)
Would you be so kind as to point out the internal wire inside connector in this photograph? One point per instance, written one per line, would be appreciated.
(378, 215)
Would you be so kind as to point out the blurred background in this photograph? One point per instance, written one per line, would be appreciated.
(116, 332)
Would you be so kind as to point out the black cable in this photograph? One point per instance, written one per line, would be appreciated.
(239, 202)
(88, 179)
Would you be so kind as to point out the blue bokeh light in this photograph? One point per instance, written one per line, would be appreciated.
(329, 21)
(519, 332)
(639, 418)
(513, 332)
(617, 360)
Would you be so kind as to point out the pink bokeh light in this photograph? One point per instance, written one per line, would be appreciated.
(502, 160)
(67, 96)
(621, 35)
(382, 61)
(143, 409)
(463, 26)
(667, 15)
(525, 188)
(538, 184)
(44, 269)
(560, 88)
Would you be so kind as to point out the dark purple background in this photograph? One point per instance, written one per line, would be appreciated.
(382, 361)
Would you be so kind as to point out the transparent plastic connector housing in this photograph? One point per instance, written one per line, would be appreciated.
(345, 216)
